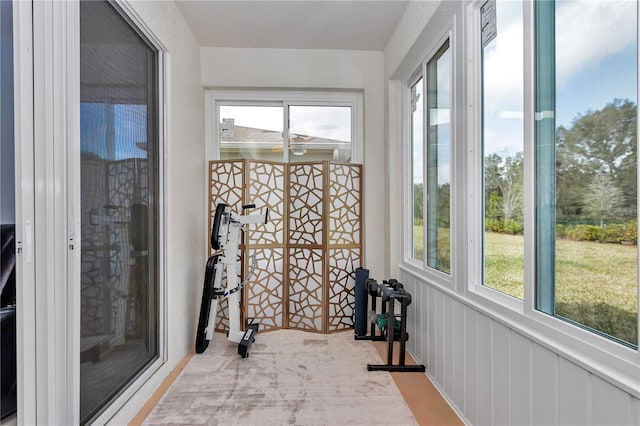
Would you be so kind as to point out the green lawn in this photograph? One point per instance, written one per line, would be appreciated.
(444, 247)
(596, 283)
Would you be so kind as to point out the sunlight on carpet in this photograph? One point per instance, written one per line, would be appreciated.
(290, 377)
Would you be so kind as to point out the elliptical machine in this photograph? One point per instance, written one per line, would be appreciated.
(226, 237)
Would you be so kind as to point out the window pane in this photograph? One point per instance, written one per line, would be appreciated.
(253, 132)
(319, 133)
(587, 165)
(417, 169)
(438, 159)
(502, 146)
(119, 205)
(8, 360)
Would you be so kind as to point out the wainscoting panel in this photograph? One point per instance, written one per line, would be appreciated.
(485, 370)
(544, 391)
(520, 379)
(573, 387)
(492, 374)
(471, 366)
(609, 405)
(459, 352)
(501, 361)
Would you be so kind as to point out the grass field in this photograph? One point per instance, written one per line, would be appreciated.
(596, 283)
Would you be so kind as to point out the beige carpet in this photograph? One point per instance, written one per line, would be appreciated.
(290, 377)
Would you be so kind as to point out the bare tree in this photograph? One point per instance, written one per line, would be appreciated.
(511, 186)
(512, 199)
(603, 198)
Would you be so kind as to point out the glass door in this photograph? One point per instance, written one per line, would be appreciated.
(119, 203)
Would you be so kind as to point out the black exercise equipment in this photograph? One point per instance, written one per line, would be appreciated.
(371, 292)
(360, 312)
(394, 327)
(226, 237)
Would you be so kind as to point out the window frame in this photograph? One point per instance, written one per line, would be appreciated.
(475, 150)
(214, 98)
(604, 358)
(410, 237)
(448, 34)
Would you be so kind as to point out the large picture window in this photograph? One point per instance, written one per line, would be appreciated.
(586, 165)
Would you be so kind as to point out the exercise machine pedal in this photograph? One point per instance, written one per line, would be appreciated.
(248, 339)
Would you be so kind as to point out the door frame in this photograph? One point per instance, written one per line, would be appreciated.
(47, 135)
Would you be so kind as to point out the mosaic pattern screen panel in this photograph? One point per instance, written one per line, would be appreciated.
(307, 253)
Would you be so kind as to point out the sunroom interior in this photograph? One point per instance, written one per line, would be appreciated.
(498, 183)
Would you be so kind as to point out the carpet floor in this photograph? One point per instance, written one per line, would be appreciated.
(290, 377)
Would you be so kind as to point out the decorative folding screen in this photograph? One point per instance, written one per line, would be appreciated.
(307, 253)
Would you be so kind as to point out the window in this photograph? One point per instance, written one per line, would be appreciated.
(417, 169)
(430, 142)
(251, 131)
(285, 126)
(586, 165)
(503, 146)
(319, 133)
(120, 160)
(438, 217)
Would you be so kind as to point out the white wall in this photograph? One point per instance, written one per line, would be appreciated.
(494, 368)
(185, 191)
(320, 69)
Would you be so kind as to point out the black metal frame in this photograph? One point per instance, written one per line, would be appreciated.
(389, 293)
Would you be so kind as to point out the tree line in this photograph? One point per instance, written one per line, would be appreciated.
(596, 175)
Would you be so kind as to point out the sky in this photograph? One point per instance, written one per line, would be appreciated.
(129, 127)
(596, 62)
(320, 121)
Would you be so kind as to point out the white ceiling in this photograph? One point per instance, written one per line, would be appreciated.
(293, 24)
